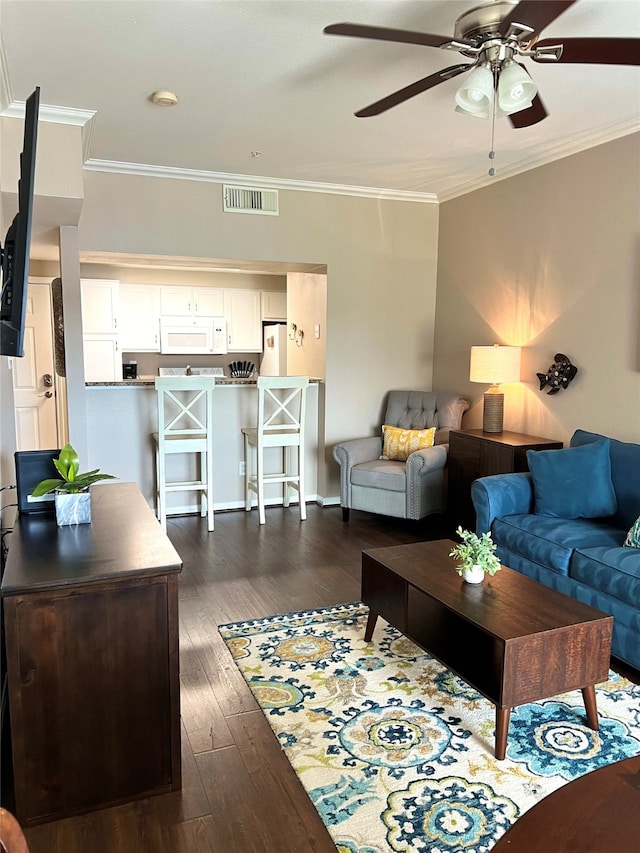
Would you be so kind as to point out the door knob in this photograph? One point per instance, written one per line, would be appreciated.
(46, 394)
(47, 380)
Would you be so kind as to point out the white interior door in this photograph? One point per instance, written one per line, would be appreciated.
(33, 376)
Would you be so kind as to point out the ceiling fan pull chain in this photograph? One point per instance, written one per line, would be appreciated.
(492, 153)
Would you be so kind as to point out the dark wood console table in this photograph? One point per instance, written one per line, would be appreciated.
(474, 453)
(91, 622)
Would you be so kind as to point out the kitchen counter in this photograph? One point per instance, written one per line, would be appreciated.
(121, 423)
(148, 382)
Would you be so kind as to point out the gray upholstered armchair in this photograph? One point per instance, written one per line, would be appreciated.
(411, 489)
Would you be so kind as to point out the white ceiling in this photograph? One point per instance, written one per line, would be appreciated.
(260, 75)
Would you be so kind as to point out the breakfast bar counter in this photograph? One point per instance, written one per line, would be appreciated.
(122, 417)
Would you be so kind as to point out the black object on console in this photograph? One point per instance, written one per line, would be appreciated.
(32, 466)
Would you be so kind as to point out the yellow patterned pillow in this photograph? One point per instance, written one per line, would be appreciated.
(399, 444)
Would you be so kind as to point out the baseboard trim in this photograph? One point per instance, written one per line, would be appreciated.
(194, 509)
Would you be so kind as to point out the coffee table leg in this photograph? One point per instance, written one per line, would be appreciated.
(503, 716)
(371, 624)
(589, 696)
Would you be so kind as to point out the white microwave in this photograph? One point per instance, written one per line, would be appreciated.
(193, 335)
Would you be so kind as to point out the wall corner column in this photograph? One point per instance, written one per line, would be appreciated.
(73, 344)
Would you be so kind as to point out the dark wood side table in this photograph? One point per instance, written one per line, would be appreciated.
(91, 622)
(474, 453)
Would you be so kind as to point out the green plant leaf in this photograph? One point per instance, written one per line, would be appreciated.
(476, 550)
(61, 469)
(68, 458)
(46, 486)
(67, 464)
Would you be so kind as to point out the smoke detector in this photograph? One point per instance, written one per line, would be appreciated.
(164, 99)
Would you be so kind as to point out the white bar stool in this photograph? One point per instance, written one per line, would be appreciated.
(185, 416)
(281, 421)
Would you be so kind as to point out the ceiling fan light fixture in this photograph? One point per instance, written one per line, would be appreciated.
(475, 95)
(516, 90)
(481, 113)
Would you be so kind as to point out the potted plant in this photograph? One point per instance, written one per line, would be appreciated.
(477, 556)
(71, 493)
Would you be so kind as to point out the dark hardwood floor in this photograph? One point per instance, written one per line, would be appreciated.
(239, 792)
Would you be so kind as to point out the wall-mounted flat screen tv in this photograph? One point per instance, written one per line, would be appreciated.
(15, 250)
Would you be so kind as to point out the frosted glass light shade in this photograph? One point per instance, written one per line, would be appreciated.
(476, 93)
(516, 90)
(495, 365)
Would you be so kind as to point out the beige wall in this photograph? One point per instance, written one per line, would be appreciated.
(197, 278)
(373, 249)
(307, 308)
(549, 260)
(58, 177)
(58, 159)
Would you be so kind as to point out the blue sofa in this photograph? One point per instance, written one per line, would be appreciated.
(565, 524)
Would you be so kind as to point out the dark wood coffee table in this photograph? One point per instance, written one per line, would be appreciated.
(511, 638)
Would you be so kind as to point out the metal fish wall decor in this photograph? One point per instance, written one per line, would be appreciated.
(559, 374)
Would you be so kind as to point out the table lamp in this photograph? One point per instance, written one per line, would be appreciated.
(494, 365)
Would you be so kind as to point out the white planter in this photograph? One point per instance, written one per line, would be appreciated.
(73, 508)
(473, 575)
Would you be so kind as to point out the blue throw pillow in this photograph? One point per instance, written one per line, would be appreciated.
(574, 482)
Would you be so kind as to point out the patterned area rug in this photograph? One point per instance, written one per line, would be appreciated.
(396, 752)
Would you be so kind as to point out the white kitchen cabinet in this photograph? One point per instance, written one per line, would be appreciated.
(139, 317)
(100, 330)
(190, 301)
(209, 301)
(274, 304)
(244, 324)
(100, 306)
(102, 358)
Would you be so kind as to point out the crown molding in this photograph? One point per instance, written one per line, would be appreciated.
(145, 170)
(84, 119)
(549, 155)
(52, 114)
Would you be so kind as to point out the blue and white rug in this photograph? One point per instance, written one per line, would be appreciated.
(396, 752)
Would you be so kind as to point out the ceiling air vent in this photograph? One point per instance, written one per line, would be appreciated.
(250, 200)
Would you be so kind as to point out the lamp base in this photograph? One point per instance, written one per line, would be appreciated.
(493, 412)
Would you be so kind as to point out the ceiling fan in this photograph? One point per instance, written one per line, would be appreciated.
(493, 36)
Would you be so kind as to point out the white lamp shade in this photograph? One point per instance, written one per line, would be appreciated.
(516, 90)
(476, 93)
(495, 365)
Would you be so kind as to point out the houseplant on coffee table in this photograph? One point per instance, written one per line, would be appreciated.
(71, 493)
(477, 556)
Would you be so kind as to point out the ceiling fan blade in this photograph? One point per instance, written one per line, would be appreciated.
(536, 14)
(526, 118)
(596, 51)
(414, 89)
(388, 34)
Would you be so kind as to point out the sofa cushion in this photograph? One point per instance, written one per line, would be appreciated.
(549, 541)
(574, 482)
(380, 474)
(398, 444)
(633, 536)
(625, 474)
(614, 571)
